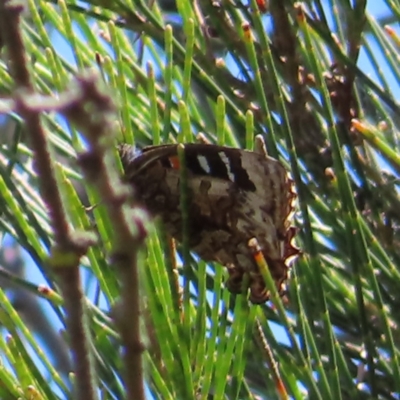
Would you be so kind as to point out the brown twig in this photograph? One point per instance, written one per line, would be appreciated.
(92, 113)
(69, 246)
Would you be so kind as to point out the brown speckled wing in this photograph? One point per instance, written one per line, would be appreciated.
(233, 195)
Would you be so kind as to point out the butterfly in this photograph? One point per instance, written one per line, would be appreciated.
(232, 196)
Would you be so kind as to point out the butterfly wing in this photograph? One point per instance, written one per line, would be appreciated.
(233, 195)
